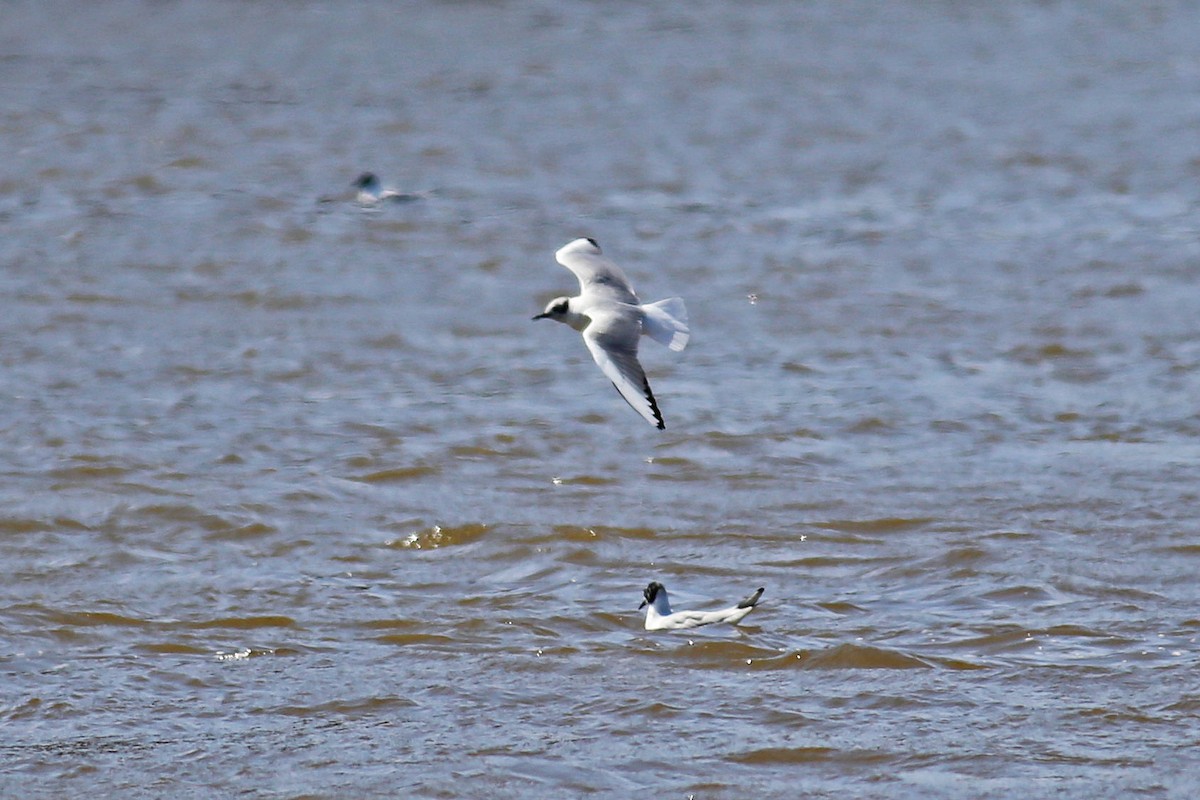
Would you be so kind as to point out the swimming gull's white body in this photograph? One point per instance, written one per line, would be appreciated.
(371, 192)
(660, 617)
(612, 320)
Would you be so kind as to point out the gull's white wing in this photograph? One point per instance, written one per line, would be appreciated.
(597, 275)
(612, 338)
(681, 620)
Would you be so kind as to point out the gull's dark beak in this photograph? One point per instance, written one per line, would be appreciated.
(541, 316)
(643, 605)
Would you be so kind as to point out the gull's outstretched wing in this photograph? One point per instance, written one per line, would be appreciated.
(597, 276)
(612, 338)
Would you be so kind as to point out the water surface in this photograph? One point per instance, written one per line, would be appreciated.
(297, 502)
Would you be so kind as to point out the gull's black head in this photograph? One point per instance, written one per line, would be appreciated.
(651, 592)
(556, 309)
(366, 181)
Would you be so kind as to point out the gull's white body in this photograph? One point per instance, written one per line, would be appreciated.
(612, 320)
(660, 617)
(371, 191)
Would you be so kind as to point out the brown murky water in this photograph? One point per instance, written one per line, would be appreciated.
(296, 502)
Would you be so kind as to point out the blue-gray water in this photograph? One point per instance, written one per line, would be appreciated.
(295, 501)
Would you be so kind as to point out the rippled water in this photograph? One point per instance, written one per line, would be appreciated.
(297, 502)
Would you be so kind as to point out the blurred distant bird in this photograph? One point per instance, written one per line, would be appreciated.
(660, 617)
(371, 191)
(611, 319)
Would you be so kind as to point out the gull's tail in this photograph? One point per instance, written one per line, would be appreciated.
(666, 323)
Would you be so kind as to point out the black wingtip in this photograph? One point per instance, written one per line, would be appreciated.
(662, 426)
(658, 420)
(752, 600)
